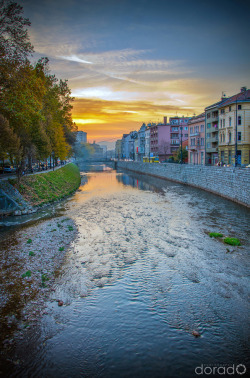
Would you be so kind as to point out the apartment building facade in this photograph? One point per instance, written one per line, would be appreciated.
(178, 132)
(234, 129)
(196, 139)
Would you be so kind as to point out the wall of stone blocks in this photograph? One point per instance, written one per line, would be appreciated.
(229, 182)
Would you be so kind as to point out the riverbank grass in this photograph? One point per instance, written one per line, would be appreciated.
(232, 241)
(51, 186)
(215, 235)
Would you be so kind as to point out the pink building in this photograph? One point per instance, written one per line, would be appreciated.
(178, 132)
(160, 140)
(196, 140)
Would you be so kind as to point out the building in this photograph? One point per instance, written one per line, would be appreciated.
(196, 139)
(212, 132)
(81, 137)
(118, 149)
(178, 132)
(123, 146)
(128, 145)
(147, 142)
(160, 139)
(141, 143)
(234, 129)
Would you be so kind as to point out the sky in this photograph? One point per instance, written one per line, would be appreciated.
(134, 61)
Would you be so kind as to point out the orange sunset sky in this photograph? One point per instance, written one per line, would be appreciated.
(129, 62)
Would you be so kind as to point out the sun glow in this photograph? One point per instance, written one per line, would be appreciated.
(87, 121)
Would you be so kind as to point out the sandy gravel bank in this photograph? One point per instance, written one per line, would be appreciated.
(30, 259)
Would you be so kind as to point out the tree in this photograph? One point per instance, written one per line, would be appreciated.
(14, 39)
(35, 106)
(164, 149)
(9, 142)
(184, 154)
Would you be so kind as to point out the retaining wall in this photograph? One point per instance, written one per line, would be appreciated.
(228, 182)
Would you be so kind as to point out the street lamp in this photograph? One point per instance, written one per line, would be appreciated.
(181, 143)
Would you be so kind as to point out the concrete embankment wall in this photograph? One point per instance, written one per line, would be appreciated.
(228, 182)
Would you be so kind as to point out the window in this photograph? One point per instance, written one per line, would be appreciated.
(198, 141)
(223, 137)
(230, 108)
(202, 128)
(222, 111)
(239, 107)
(230, 137)
(208, 125)
(191, 130)
(186, 135)
(223, 122)
(186, 128)
(208, 115)
(239, 135)
(230, 121)
(239, 120)
(202, 141)
(208, 135)
(208, 145)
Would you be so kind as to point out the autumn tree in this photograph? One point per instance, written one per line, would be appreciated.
(10, 147)
(35, 105)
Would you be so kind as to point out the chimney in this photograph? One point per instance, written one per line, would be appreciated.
(165, 119)
(243, 89)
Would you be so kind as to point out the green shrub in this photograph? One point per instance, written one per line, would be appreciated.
(31, 253)
(232, 241)
(61, 249)
(29, 241)
(27, 274)
(215, 235)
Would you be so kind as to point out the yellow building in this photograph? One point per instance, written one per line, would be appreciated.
(234, 129)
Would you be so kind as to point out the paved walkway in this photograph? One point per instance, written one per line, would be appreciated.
(6, 176)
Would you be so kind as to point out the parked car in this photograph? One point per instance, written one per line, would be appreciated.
(7, 169)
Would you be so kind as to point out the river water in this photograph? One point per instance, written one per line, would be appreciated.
(141, 276)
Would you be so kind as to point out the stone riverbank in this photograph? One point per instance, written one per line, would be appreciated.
(231, 183)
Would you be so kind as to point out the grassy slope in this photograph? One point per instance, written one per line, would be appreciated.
(50, 186)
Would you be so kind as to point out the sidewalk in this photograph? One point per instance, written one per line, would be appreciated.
(6, 176)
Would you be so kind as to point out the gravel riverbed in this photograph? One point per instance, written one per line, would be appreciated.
(30, 259)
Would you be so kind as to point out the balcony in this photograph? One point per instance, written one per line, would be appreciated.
(213, 139)
(194, 134)
(212, 149)
(195, 147)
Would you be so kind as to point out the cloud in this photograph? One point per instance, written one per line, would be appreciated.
(113, 118)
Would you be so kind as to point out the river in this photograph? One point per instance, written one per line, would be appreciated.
(146, 292)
